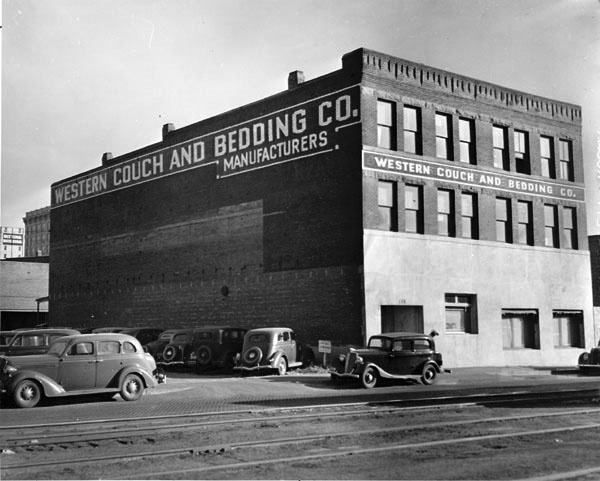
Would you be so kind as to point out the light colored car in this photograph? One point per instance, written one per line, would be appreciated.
(80, 364)
(272, 348)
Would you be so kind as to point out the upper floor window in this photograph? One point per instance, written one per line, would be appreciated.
(446, 213)
(500, 142)
(412, 130)
(386, 124)
(466, 137)
(388, 213)
(566, 159)
(468, 212)
(443, 136)
(569, 228)
(551, 225)
(413, 208)
(547, 157)
(503, 220)
(525, 225)
(461, 313)
(522, 152)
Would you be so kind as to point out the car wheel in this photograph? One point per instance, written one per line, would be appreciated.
(429, 375)
(169, 353)
(281, 366)
(27, 394)
(253, 355)
(203, 357)
(368, 378)
(132, 387)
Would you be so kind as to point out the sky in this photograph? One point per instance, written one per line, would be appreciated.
(84, 77)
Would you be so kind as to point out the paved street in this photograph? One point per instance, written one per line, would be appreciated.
(189, 393)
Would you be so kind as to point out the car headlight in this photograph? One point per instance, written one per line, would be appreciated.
(585, 357)
(359, 360)
(10, 370)
(342, 357)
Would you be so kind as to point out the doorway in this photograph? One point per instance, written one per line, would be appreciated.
(402, 319)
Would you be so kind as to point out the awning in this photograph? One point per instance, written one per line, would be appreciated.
(519, 312)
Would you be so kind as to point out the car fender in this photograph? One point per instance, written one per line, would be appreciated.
(50, 387)
(148, 378)
(275, 357)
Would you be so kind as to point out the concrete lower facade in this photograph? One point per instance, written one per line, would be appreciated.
(414, 273)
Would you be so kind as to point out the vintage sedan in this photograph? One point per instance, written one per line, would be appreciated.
(157, 346)
(589, 362)
(34, 341)
(216, 347)
(394, 355)
(272, 348)
(80, 364)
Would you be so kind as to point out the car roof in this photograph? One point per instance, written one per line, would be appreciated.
(49, 331)
(138, 329)
(397, 335)
(102, 336)
(218, 328)
(268, 330)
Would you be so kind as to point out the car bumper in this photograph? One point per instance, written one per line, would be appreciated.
(344, 375)
(253, 368)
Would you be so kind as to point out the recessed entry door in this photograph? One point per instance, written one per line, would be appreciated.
(402, 319)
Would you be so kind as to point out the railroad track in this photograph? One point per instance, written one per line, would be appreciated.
(263, 436)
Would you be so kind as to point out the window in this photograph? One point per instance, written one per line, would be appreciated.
(569, 228)
(413, 208)
(565, 148)
(443, 136)
(525, 225)
(446, 213)
(108, 347)
(503, 220)
(568, 328)
(412, 130)
(129, 347)
(522, 152)
(461, 313)
(468, 212)
(466, 138)
(82, 349)
(386, 199)
(551, 225)
(547, 157)
(386, 124)
(520, 329)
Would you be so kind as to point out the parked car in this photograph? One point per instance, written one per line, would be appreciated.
(80, 364)
(103, 330)
(34, 341)
(394, 355)
(156, 347)
(272, 348)
(6, 337)
(143, 334)
(216, 347)
(589, 362)
(177, 351)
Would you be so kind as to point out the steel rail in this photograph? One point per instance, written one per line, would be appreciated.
(311, 437)
(407, 404)
(110, 433)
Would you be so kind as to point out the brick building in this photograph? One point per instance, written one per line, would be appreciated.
(386, 195)
(37, 232)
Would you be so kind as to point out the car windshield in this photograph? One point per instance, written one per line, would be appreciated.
(380, 343)
(57, 347)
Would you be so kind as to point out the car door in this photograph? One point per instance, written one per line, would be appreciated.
(289, 346)
(77, 367)
(401, 357)
(110, 361)
(423, 352)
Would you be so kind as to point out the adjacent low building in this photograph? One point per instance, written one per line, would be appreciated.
(384, 196)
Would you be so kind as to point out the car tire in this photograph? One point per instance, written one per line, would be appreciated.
(429, 375)
(27, 394)
(368, 378)
(132, 387)
(204, 357)
(253, 355)
(281, 366)
(169, 353)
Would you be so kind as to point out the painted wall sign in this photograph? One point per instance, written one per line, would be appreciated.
(302, 130)
(469, 176)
